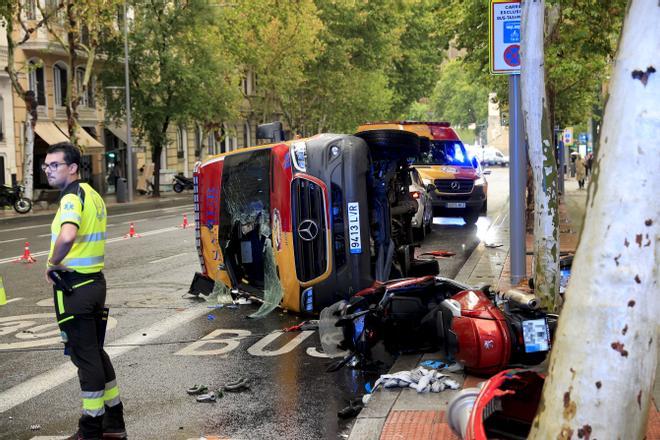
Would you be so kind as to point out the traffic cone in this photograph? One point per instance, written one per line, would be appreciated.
(185, 223)
(27, 256)
(131, 232)
(3, 296)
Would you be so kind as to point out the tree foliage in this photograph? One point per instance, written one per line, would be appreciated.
(458, 97)
(180, 70)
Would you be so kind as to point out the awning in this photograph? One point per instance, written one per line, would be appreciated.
(49, 132)
(85, 139)
(119, 131)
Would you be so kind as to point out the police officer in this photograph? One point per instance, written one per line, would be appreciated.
(76, 254)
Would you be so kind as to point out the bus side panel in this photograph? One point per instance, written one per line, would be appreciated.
(280, 197)
(210, 178)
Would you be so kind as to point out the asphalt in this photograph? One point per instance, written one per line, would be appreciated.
(403, 413)
(8, 217)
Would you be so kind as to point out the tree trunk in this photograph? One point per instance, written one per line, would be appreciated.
(155, 156)
(541, 157)
(603, 363)
(28, 157)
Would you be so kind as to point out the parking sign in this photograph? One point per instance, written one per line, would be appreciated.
(504, 37)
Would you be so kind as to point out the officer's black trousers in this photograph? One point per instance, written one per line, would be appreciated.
(82, 323)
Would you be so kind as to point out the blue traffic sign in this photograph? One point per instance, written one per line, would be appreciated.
(512, 31)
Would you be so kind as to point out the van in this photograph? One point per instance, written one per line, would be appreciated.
(305, 223)
(458, 186)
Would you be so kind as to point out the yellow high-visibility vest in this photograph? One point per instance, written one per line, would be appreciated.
(83, 207)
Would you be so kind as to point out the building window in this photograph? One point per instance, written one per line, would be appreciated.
(36, 81)
(59, 80)
(2, 120)
(80, 78)
(30, 9)
(225, 139)
(246, 134)
(179, 142)
(199, 135)
(212, 143)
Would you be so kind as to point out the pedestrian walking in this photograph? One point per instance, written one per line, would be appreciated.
(580, 171)
(75, 264)
(588, 161)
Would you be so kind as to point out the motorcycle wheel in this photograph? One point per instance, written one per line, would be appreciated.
(23, 205)
(178, 188)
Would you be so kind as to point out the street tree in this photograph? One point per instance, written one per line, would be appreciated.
(458, 97)
(541, 153)
(80, 27)
(11, 13)
(180, 71)
(604, 358)
(275, 41)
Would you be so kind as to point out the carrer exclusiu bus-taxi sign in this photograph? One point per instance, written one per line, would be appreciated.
(504, 37)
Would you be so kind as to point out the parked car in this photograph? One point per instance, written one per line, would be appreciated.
(307, 222)
(423, 218)
(489, 156)
(461, 188)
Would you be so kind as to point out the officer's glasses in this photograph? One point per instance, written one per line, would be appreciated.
(52, 166)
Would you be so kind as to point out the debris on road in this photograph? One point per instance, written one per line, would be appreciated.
(210, 397)
(440, 254)
(35, 427)
(493, 245)
(237, 386)
(210, 317)
(197, 389)
(353, 409)
(312, 324)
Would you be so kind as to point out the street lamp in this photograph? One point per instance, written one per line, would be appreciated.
(129, 149)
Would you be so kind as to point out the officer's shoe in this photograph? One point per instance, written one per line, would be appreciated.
(89, 428)
(113, 422)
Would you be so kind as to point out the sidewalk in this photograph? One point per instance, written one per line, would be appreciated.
(405, 414)
(167, 199)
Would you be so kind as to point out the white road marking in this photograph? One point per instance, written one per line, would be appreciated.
(170, 257)
(37, 385)
(44, 235)
(14, 299)
(111, 240)
(14, 239)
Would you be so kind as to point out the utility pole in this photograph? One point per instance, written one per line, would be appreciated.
(127, 89)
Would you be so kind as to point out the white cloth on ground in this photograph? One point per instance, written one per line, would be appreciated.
(420, 379)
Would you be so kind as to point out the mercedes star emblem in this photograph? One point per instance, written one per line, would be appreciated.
(308, 230)
(455, 185)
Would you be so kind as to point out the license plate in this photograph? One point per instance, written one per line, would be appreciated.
(354, 227)
(455, 204)
(536, 335)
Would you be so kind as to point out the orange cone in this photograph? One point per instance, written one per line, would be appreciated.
(131, 232)
(27, 256)
(185, 223)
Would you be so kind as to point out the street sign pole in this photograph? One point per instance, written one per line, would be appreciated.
(504, 52)
(517, 184)
(129, 149)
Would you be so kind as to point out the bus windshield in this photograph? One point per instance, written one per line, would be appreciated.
(445, 153)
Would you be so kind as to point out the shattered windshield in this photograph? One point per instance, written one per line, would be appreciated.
(445, 153)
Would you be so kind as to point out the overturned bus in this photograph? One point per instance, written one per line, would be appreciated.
(304, 223)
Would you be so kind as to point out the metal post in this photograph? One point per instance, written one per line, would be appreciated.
(127, 89)
(517, 184)
(562, 161)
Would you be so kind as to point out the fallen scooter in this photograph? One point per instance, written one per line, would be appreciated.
(181, 182)
(13, 196)
(483, 330)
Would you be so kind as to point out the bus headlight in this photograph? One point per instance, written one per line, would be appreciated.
(299, 155)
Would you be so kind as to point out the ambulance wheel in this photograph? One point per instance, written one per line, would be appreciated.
(391, 144)
(471, 218)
